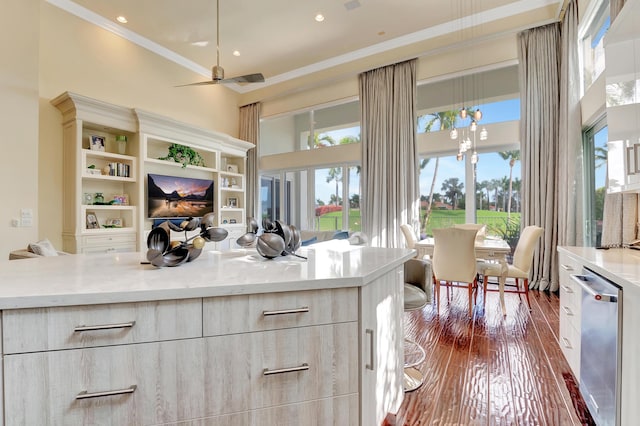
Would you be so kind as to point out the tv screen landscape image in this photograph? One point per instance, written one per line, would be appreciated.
(178, 197)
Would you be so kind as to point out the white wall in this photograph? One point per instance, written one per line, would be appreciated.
(19, 31)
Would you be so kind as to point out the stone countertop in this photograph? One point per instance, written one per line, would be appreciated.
(620, 265)
(123, 277)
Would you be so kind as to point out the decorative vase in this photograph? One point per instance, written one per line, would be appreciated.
(122, 144)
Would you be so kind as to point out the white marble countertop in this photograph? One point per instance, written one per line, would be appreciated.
(620, 265)
(121, 277)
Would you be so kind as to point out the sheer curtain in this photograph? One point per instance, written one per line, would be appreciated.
(389, 153)
(539, 68)
(250, 132)
(614, 8)
(570, 174)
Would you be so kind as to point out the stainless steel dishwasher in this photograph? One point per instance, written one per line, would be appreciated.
(600, 353)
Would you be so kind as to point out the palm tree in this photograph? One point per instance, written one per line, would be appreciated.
(512, 156)
(423, 164)
(447, 120)
(480, 187)
(335, 173)
(452, 189)
(322, 140)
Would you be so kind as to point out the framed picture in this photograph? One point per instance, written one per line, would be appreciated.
(115, 222)
(232, 168)
(122, 199)
(96, 143)
(232, 202)
(92, 220)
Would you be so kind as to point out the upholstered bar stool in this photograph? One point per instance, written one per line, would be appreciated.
(417, 294)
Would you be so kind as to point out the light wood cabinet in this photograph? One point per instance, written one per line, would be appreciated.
(382, 346)
(312, 357)
(570, 311)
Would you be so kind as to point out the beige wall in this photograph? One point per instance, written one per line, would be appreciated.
(45, 52)
(18, 120)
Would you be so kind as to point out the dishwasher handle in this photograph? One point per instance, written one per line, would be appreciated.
(584, 282)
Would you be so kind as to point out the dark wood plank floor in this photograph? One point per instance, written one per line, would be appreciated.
(491, 370)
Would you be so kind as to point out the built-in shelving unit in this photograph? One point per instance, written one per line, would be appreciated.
(217, 150)
(622, 54)
(105, 193)
(100, 196)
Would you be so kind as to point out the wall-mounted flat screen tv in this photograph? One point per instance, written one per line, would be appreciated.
(178, 197)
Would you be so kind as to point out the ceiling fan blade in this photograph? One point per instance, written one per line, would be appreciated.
(200, 83)
(249, 78)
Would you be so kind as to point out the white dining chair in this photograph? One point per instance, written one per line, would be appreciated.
(454, 262)
(409, 235)
(519, 270)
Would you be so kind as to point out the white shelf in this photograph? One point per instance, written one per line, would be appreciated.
(179, 165)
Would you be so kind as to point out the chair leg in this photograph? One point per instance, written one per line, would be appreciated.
(470, 287)
(526, 291)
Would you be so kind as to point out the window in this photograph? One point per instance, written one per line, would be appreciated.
(325, 194)
(595, 171)
(330, 126)
(596, 24)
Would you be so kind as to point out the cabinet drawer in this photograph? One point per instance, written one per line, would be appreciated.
(271, 368)
(338, 411)
(152, 383)
(101, 240)
(43, 329)
(570, 344)
(255, 312)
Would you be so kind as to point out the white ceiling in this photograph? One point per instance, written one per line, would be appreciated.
(281, 39)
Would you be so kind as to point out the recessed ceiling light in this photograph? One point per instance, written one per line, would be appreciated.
(236, 53)
(319, 17)
(122, 19)
(203, 43)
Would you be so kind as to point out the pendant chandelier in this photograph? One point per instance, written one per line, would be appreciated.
(466, 134)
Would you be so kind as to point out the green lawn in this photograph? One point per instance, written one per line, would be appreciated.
(497, 222)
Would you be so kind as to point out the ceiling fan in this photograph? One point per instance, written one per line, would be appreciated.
(217, 72)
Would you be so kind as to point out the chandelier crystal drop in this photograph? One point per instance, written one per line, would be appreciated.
(466, 135)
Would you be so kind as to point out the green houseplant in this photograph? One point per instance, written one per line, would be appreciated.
(183, 154)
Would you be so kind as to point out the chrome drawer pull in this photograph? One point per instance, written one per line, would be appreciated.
(84, 394)
(567, 289)
(567, 310)
(369, 366)
(566, 267)
(268, 372)
(567, 343)
(286, 311)
(103, 327)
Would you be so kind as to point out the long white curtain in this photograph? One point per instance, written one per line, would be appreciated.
(250, 132)
(539, 68)
(389, 153)
(570, 174)
(614, 8)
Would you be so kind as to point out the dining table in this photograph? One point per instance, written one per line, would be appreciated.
(489, 249)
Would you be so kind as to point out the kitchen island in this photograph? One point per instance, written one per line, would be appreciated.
(622, 267)
(230, 338)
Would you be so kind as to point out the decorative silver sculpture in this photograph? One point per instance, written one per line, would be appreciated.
(164, 252)
(278, 239)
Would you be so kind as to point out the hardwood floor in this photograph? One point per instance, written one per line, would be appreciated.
(491, 370)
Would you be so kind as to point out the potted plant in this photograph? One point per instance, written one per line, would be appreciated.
(183, 154)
